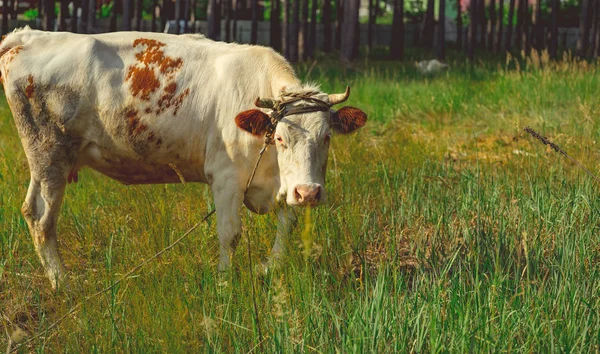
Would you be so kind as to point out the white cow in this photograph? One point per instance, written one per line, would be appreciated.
(159, 108)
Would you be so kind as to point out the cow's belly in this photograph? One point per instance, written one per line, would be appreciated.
(128, 170)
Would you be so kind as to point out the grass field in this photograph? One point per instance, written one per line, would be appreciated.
(448, 229)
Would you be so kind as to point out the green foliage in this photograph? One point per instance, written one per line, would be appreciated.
(447, 230)
(31, 14)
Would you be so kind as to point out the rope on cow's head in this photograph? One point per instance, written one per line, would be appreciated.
(280, 107)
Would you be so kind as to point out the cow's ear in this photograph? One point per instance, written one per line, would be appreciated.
(253, 121)
(348, 119)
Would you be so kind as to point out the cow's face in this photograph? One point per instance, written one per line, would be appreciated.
(302, 143)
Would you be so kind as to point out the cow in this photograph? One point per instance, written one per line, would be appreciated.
(147, 108)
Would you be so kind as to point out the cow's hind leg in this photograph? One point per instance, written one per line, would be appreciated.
(41, 209)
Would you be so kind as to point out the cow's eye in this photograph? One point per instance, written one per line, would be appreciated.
(279, 139)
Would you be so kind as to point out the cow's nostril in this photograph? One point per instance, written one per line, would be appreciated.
(318, 194)
(298, 196)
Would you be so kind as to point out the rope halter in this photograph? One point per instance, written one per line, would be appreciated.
(281, 107)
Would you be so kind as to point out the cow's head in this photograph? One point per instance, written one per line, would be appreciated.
(303, 123)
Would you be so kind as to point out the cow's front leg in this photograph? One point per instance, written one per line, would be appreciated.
(287, 219)
(228, 201)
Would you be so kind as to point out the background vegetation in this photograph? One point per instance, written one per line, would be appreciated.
(447, 229)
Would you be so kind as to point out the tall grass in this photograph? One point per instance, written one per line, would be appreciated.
(447, 229)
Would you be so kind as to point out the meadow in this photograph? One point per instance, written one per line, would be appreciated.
(448, 229)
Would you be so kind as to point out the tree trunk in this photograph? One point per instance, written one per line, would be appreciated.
(138, 15)
(519, 29)
(276, 24)
(312, 34)
(397, 45)
(4, 17)
(441, 44)
(459, 25)
(339, 19)
(596, 35)
(113, 17)
(48, 14)
(510, 25)
(428, 25)
(482, 23)
(63, 14)
(473, 12)
(294, 30)
(492, 25)
(91, 16)
(526, 27)
(350, 24)
(327, 35)
(555, 6)
(303, 40)
(126, 26)
(254, 29)
(214, 19)
(285, 28)
(537, 22)
(498, 47)
(155, 7)
(227, 13)
(371, 24)
(584, 29)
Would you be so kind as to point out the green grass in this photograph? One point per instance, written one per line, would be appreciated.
(448, 230)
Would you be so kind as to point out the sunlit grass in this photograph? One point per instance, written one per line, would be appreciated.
(447, 229)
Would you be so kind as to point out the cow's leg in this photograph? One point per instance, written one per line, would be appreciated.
(286, 220)
(228, 201)
(41, 209)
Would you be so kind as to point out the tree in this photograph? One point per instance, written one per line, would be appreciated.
(227, 13)
(492, 28)
(126, 26)
(509, 26)
(428, 25)
(555, 5)
(63, 14)
(312, 35)
(138, 4)
(276, 24)
(349, 35)
(459, 25)
(48, 15)
(91, 16)
(441, 45)
(4, 17)
(214, 19)
(285, 28)
(584, 29)
(537, 25)
(327, 29)
(254, 28)
(498, 47)
(303, 42)
(372, 17)
(472, 29)
(294, 29)
(397, 45)
(339, 15)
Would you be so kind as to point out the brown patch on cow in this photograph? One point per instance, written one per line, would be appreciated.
(152, 65)
(134, 126)
(159, 142)
(169, 99)
(143, 82)
(8, 55)
(30, 87)
(151, 137)
(348, 119)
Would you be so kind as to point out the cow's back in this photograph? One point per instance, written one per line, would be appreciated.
(142, 103)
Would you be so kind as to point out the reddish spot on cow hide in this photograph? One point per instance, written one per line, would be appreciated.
(143, 81)
(134, 126)
(30, 88)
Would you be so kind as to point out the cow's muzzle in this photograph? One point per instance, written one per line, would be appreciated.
(308, 194)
